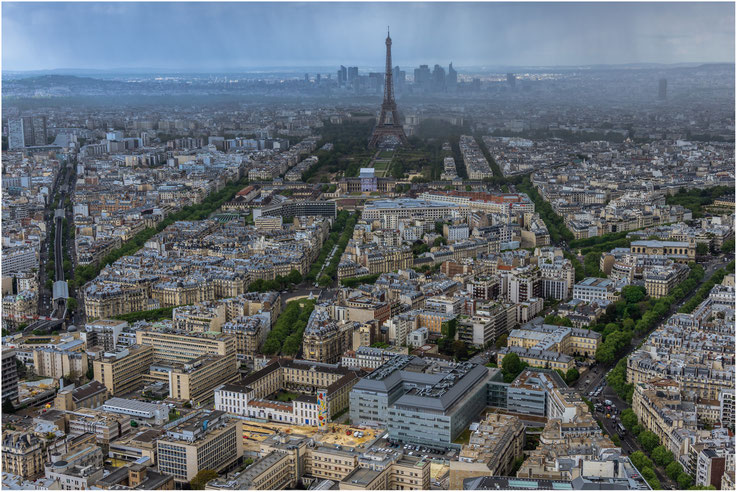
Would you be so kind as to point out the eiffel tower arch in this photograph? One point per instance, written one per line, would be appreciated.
(388, 130)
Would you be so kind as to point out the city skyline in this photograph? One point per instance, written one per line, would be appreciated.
(211, 37)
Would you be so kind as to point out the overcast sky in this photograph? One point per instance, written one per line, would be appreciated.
(232, 36)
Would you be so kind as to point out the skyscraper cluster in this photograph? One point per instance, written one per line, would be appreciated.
(28, 131)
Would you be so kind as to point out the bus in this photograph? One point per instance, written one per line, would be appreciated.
(621, 430)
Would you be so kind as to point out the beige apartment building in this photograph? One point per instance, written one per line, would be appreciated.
(183, 293)
(659, 282)
(104, 425)
(285, 459)
(208, 441)
(491, 449)
(122, 371)
(655, 405)
(406, 473)
(53, 363)
(328, 343)
(174, 346)
(112, 300)
(196, 380)
(23, 454)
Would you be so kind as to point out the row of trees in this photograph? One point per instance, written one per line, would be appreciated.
(555, 223)
(200, 211)
(279, 283)
(570, 376)
(331, 271)
(616, 334)
(286, 336)
(703, 292)
(655, 454)
(356, 281)
(492, 163)
(597, 240)
(591, 265)
(338, 225)
(150, 315)
(639, 315)
(656, 309)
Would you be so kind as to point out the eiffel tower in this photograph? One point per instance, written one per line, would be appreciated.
(388, 128)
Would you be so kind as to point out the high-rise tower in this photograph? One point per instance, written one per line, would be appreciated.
(389, 127)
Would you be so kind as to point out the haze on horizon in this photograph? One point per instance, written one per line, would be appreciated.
(233, 36)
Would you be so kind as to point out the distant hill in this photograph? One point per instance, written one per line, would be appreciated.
(43, 81)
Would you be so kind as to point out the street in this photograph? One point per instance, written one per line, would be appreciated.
(597, 375)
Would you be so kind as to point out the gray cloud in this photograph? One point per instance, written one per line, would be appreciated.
(228, 36)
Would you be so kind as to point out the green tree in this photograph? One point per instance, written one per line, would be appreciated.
(674, 470)
(552, 319)
(684, 480)
(728, 246)
(200, 480)
(648, 440)
(294, 277)
(629, 419)
(448, 329)
(640, 460)
(572, 375)
(512, 366)
(460, 350)
(702, 249)
(658, 454)
(501, 341)
(633, 294)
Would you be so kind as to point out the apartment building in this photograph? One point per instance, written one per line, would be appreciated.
(105, 426)
(595, 289)
(250, 333)
(524, 283)
(10, 375)
(104, 332)
(57, 363)
(90, 395)
(536, 357)
(285, 459)
(495, 443)
(122, 371)
(390, 211)
(490, 322)
(196, 379)
(110, 300)
(175, 346)
(23, 454)
(659, 282)
(208, 440)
